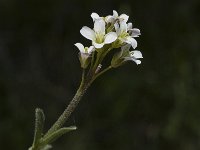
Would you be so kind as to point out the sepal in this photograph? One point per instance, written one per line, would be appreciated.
(119, 57)
(84, 59)
(55, 135)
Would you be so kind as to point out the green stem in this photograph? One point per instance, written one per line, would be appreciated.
(100, 57)
(97, 61)
(71, 107)
(100, 73)
(92, 61)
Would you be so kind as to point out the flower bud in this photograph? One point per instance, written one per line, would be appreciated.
(84, 59)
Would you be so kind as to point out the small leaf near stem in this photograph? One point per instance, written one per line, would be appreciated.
(55, 135)
(39, 124)
(46, 147)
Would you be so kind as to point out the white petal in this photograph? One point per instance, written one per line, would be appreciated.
(95, 16)
(131, 41)
(115, 14)
(117, 29)
(84, 56)
(135, 32)
(123, 17)
(99, 26)
(132, 59)
(109, 19)
(123, 26)
(136, 54)
(136, 61)
(80, 47)
(91, 49)
(129, 26)
(97, 45)
(110, 37)
(87, 33)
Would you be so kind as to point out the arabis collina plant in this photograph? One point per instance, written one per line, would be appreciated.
(110, 35)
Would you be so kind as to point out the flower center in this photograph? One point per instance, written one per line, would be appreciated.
(86, 49)
(99, 38)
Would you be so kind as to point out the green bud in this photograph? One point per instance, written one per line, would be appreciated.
(119, 57)
(84, 59)
(117, 60)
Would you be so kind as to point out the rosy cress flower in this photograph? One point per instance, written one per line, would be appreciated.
(132, 55)
(115, 17)
(125, 55)
(98, 35)
(109, 18)
(134, 32)
(95, 16)
(84, 54)
(123, 35)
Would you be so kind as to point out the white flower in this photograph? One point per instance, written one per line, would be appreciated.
(84, 54)
(95, 16)
(123, 35)
(124, 55)
(84, 50)
(111, 18)
(98, 36)
(132, 55)
(134, 32)
(115, 17)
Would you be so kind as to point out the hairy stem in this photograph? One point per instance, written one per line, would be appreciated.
(100, 73)
(71, 107)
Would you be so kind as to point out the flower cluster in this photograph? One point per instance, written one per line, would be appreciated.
(110, 32)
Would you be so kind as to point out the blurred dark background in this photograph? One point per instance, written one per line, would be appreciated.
(154, 106)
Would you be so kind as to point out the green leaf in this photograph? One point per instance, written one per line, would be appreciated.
(39, 124)
(55, 135)
(46, 147)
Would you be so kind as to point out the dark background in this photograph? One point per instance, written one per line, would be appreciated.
(154, 106)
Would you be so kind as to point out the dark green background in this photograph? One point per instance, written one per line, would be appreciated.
(153, 106)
